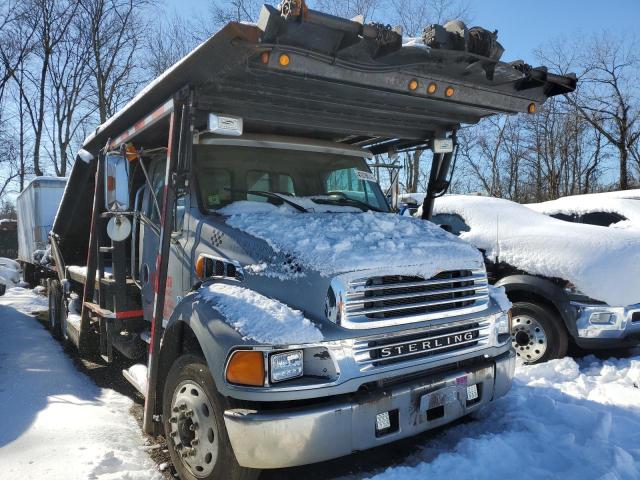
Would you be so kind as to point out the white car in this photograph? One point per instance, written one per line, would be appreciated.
(566, 280)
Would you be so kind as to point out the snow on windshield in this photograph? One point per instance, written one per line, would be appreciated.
(602, 263)
(348, 242)
(260, 318)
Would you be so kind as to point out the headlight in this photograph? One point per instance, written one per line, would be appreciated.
(287, 365)
(503, 323)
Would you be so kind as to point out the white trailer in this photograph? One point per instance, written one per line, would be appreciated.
(37, 206)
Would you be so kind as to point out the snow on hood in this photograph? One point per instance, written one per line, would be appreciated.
(346, 242)
(260, 318)
(582, 204)
(603, 263)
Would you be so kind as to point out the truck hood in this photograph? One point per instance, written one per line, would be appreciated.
(603, 263)
(342, 242)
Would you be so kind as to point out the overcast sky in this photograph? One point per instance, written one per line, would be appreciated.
(523, 26)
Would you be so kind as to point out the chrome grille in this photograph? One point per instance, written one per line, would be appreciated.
(367, 353)
(399, 298)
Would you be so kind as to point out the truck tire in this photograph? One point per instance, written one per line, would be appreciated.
(55, 307)
(538, 334)
(194, 426)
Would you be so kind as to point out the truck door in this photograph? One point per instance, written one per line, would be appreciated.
(148, 246)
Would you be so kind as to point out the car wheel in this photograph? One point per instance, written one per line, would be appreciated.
(538, 333)
(194, 425)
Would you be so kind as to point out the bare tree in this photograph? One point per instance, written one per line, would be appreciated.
(115, 29)
(50, 23)
(174, 36)
(225, 11)
(350, 8)
(68, 97)
(609, 70)
(414, 15)
(15, 41)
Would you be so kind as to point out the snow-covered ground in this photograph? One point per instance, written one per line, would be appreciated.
(56, 423)
(564, 419)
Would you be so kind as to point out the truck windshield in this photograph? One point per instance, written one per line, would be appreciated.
(226, 174)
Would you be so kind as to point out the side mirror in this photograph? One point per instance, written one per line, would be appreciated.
(116, 183)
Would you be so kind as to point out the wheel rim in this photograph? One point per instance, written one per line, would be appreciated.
(529, 338)
(194, 430)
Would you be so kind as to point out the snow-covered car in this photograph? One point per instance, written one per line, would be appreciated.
(601, 209)
(566, 281)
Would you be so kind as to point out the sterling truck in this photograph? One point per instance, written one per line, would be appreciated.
(223, 231)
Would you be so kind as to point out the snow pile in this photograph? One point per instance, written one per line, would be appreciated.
(602, 263)
(561, 419)
(583, 204)
(259, 318)
(344, 242)
(499, 295)
(26, 300)
(138, 373)
(9, 272)
(59, 425)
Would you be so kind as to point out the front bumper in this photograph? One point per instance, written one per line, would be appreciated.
(607, 326)
(299, 436)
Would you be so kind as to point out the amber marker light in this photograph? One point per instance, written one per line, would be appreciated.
(413, 84)
(246, 367)
(449, 92)
(432, 88)
(531, 108)
(284, 60)
(264, 57)
(200, 267)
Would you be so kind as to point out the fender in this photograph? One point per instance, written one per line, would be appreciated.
(197, 326)
(543, 288)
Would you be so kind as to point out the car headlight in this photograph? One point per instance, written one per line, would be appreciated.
(286, 365)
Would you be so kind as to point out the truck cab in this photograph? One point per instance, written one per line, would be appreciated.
(240, 252)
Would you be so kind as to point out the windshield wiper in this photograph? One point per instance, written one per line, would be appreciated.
(346, 201)
(275, 196)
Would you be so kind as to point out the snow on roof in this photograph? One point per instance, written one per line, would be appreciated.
(260, 318)
(597, 202)
(602, 263)
(347, 242)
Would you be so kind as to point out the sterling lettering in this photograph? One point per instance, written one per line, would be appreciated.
(426, 345)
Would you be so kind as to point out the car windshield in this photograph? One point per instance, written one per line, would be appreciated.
(226, 174)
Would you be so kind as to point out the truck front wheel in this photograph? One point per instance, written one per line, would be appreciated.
(194, 425)
(537, 333)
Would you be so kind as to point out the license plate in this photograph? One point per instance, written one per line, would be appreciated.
(441, 397)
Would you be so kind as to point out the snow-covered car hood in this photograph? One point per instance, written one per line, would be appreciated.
(629, 208)
(602, 263)
(338, 242)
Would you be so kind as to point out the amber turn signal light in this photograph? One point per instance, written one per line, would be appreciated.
(246, 367)
(432, 88)
(284, 60)
(531, 108)
(449, 92)
(413, 85)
